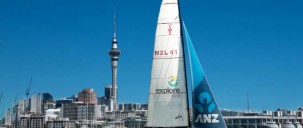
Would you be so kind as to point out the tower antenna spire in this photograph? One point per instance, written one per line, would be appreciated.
(115, 33)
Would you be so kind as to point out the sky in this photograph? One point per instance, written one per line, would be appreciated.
(245, 47)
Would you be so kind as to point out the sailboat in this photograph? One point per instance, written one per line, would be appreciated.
(168, 104)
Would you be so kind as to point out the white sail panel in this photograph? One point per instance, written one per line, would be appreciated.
(168, 105)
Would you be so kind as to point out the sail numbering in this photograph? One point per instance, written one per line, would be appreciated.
(168, 96)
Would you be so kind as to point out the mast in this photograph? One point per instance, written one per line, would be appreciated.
(184, 61)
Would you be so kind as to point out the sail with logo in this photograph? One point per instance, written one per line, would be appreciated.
(168, 105)
(168, 96)
(206, 113)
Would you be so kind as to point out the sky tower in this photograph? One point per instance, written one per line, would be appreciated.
(114, 54)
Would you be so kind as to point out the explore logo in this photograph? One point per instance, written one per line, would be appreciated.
(173, 82)
(206, 106)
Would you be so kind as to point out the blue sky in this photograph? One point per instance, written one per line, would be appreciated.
(252, 47)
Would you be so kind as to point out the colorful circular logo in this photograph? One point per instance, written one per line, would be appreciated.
(173, 82)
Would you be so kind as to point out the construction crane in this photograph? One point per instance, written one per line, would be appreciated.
(15, 108)
(27, 94)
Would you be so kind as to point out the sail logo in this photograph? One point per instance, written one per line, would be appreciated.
(206, 106)
(173, 82)
(168, 90)
(169, 29)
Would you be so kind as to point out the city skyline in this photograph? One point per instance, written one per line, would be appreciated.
(250, 47)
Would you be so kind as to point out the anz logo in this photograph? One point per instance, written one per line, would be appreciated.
(206, 106)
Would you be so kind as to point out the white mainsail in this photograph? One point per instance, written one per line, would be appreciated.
(168, 105)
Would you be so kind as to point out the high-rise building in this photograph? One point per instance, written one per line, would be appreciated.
(36, 103)
(47, 97)
(108, 91)
(70, 111)
(114, 54)
(74, 98)
(86, 112)
(59, 103)
(47, 102)
(21, 107)
(48, 105)
(104, 109)
(87, 96)
(8, 117)
(80, 111)
(104, 101)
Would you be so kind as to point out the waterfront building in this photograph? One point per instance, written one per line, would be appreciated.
(115, 124)
(80, 111)
(144, 106)
(90, 124)
(61, 124)
(122, 115)
(131, 106)
(266, 119)
(135, 122)
(87, 96)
